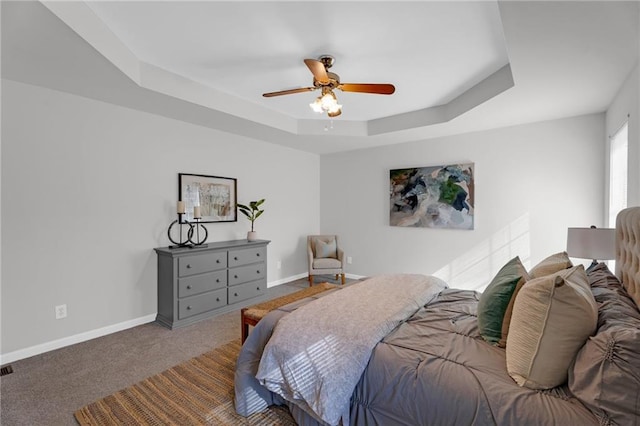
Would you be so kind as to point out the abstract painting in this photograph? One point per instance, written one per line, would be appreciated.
(432, 196)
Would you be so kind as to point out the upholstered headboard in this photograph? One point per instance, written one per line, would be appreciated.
(628, 251)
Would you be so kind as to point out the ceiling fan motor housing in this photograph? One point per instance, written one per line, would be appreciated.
(334, 81)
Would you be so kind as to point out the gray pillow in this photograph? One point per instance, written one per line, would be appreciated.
(606, 374)
(326, 249)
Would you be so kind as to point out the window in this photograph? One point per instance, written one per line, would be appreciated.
(618, 153)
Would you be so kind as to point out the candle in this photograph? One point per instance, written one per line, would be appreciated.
(196, 212)
(181, 207)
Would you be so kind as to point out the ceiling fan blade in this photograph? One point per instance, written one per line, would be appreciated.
(288, 92)
(318, 70)
(380, 89)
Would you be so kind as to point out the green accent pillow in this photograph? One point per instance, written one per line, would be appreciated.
(496, 302)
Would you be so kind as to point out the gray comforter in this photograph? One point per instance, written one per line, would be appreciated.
(318, 353)
(432, 369)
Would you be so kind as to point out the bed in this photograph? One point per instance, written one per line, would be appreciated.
(421, 356)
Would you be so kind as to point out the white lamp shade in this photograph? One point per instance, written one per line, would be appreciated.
(591, 243)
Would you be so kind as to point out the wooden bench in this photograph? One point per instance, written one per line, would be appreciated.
(251, 315)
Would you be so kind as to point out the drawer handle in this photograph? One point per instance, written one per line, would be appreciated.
(189, 308)
(217, 260)
(188, 287)
(188, 266)
(258, 288)
(235, 276)
(217, 280)
(235, 258)
(235, 294)
(217, 299)
(258, 271)
(258, 254)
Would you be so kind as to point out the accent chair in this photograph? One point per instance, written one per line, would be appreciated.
(325, 256)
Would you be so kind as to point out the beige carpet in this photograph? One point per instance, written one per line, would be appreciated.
(196, 392)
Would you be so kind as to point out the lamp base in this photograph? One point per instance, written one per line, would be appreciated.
(592, 266)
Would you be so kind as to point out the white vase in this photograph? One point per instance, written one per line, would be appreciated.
(252, 236)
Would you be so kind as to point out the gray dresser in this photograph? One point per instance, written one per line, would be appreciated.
(197, 283)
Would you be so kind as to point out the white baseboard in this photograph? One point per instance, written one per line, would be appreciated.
(355, 277)
(72, 340)
(286, 280)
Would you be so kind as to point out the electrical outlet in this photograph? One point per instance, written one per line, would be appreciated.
(61, 311)
(278, 264)
(349, 260)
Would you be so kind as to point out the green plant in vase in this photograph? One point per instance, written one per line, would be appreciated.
(252, 212)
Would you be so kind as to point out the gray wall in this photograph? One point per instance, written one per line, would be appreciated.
(532, 182)
(89, 189)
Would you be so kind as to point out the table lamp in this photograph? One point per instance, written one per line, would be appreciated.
(592, 243)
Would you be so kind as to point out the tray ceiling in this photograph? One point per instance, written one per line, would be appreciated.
(457, 66)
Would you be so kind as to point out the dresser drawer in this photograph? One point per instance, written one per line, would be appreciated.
(247, 256)
(195, 305)
(247, 291)
(247, 273)
(199, 263)
(201, 283)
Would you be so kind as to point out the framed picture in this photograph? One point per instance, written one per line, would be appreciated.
(215, 195)
(432, 196)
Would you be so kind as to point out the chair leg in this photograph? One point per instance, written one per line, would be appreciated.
(310, 280)
(343, 279)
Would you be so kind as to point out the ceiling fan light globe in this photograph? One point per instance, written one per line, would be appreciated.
(316, 106)
(334, 109)
(329, 101)
(334, 114)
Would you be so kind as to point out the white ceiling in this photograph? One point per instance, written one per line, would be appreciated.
(431, 51)
(457, 66)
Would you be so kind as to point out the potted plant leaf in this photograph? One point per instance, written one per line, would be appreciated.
(252, 212)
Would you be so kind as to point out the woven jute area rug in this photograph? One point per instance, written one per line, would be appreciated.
(196, 392)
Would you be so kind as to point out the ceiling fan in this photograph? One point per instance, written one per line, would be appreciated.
(327, 81)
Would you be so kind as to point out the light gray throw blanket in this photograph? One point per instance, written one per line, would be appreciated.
(318, 352)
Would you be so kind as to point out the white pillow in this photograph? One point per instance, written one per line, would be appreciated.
(552, 318)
